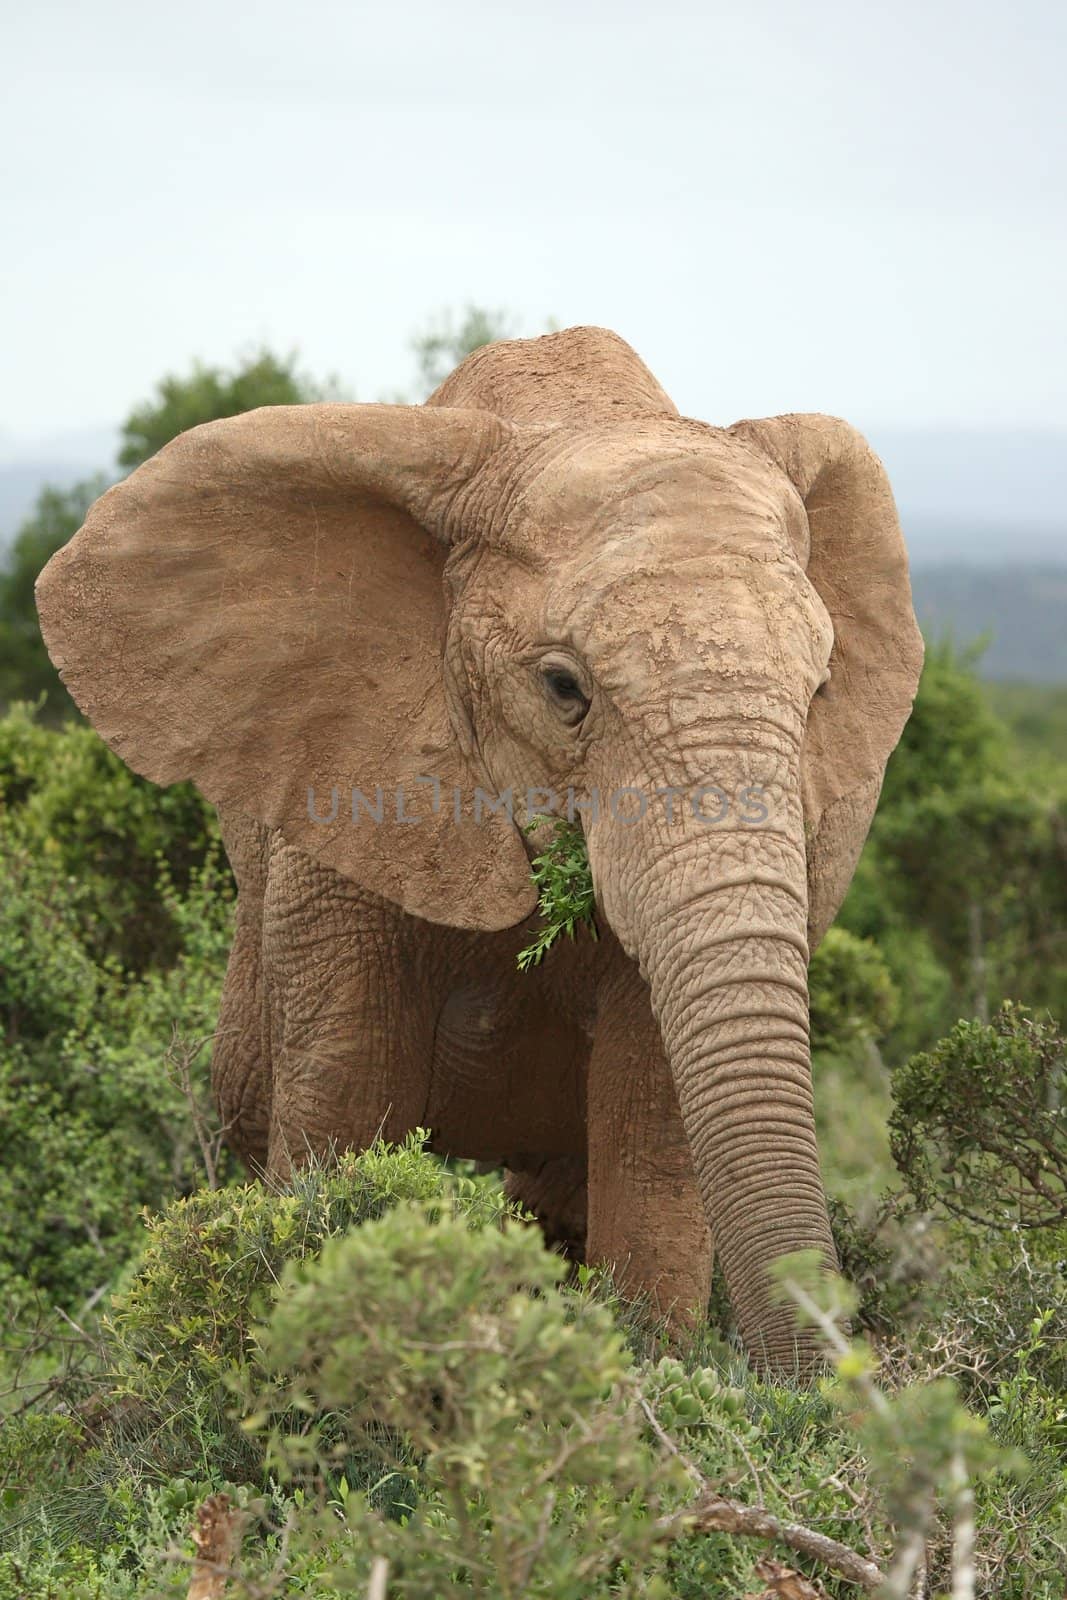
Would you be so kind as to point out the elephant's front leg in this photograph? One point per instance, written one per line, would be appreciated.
(350, 1030)
(645, 1219)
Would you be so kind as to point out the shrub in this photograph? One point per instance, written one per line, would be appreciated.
(179, 1335)
(102, 833)
(457, 1352)
(117, 904)
(426, 1392)
(96, 1124)
(979, 1124)
(852, 997)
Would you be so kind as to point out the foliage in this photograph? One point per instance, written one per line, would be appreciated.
(979, 1124)
(921, 1443)
(852, 997)
(210, 393)
(102, 836)
(564, 885)
(456, 1354)
(96, 1124)
(851, 1108)
(444, 343)
(210, 1258)
(952, 738)
(26, 671)
(427, 1393)
(176, 1351)
(116, 922)
(984, 872)
(1036, 716)
(963, 882)
(212, 1263)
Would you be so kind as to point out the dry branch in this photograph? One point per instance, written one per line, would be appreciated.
(785, 1583)
(216, 1536)
(712, 1512)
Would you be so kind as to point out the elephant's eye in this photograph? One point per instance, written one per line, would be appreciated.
(565, 693)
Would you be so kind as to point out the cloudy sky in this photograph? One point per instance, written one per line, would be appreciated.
(827, 206)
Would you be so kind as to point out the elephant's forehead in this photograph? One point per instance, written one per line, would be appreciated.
(687, 615)
(626, 499)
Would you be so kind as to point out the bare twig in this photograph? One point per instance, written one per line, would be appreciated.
(909, 1564)
(712, 1512)
(78, 1329)
(963, 1547)
(179, 1059)
(379, 1578)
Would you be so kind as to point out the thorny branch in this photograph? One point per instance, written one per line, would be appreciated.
(712, 1512)
(180, 1055)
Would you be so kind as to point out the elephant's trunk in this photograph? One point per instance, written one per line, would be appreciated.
(716, 915)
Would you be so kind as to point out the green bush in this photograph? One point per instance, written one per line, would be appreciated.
(963, 880)
(102, 832)
(115, 925)
(26, 670)
(211, 1261)
(96, 1119)
(454, 1357)
(851, 994)
(160, 1403)
(979, 1124)
(380, 1365)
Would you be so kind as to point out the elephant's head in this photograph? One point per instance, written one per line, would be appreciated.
(544, 578)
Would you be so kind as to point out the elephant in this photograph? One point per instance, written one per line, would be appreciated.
(383, 640)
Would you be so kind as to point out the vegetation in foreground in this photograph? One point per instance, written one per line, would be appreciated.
(381, 1371)
(383, 1367)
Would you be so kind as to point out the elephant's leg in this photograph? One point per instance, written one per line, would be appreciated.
(240, 1058)
(351, 1017)
(646, 1217)
(554, 1190)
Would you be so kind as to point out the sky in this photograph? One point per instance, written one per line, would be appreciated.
(832, 207)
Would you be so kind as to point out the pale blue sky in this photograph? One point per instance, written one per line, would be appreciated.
(828, 206)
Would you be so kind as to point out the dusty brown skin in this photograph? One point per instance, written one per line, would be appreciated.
(544, 577)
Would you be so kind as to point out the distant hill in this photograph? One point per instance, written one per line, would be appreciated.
(980, 542)
(978, 495)
(1022, 608)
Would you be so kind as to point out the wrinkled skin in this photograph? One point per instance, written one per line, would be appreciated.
(544, 579)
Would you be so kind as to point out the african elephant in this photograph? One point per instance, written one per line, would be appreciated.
(360, 629)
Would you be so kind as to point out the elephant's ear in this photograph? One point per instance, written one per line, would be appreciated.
(859, 566)
(260, 608)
